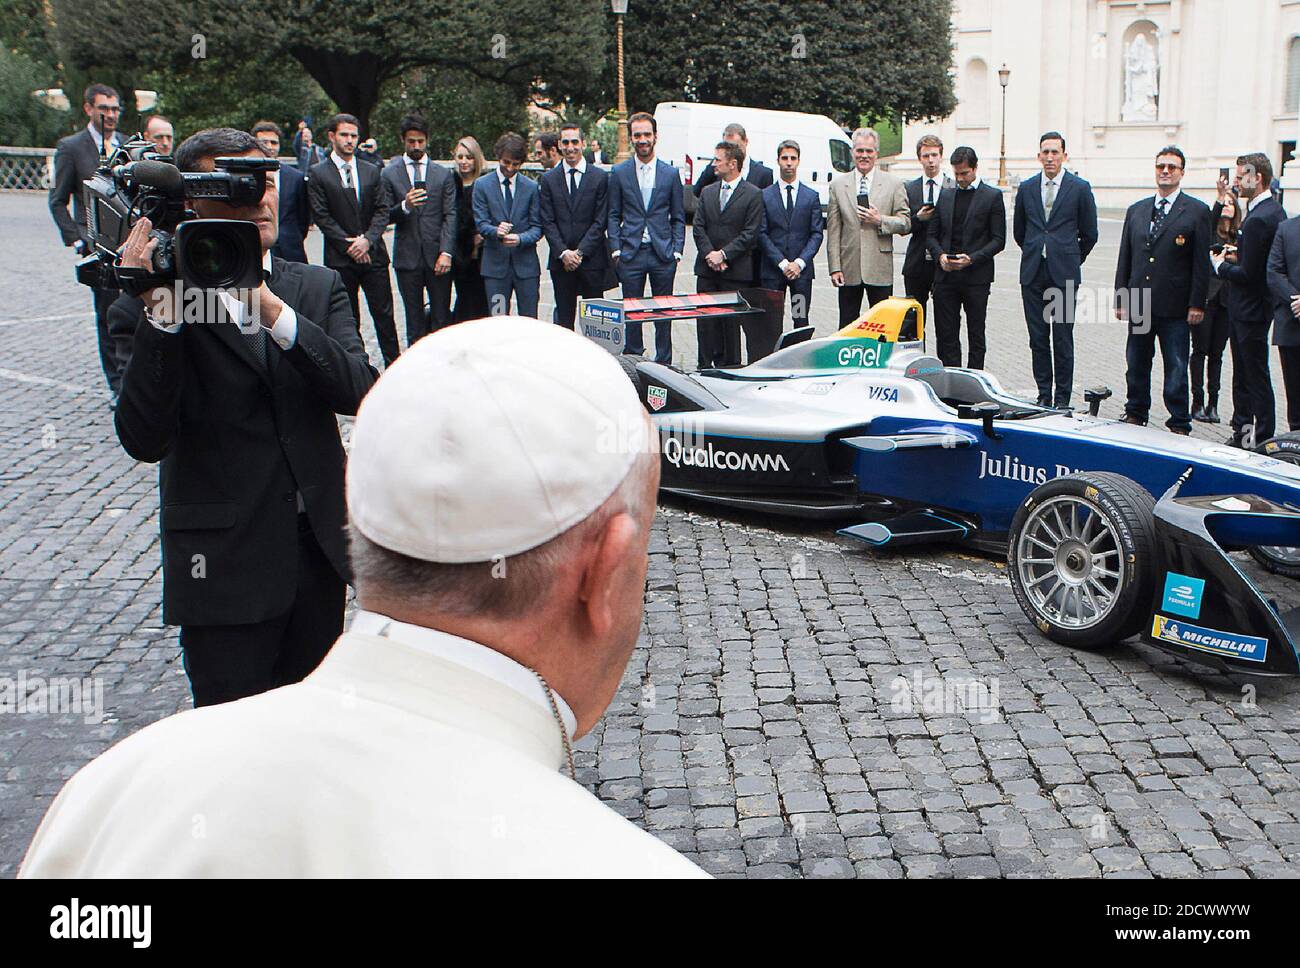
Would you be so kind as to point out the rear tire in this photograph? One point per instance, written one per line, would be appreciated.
(1280, 561)
(1080, 555)
(628, 363)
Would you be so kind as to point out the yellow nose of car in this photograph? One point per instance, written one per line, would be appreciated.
(889, 321)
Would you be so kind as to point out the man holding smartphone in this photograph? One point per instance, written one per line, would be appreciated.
(425, 215)
(922, 197)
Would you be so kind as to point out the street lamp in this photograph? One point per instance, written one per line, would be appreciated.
(1004, 76)
(623, 152)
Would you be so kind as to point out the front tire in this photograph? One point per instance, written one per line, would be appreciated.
(1080, 558)
(1278, 560)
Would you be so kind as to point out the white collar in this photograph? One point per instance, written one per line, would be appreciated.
(642, 165)
(340, 161)
(1171, 199)
(937, 180)
(580, 167)
(869, 176)
(1057, 180)
(1257, 201)
(744, 169)
(412, 162)
(733, 183)
(973, 185)
(785, 184)
(474, 656)
(503, 180)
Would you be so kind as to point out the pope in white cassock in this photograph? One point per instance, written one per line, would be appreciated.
(501, 488)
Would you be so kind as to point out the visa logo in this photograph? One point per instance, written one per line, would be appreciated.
(883, 394)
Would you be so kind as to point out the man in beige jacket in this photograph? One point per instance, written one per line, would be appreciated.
(501, 488)
(860, 237)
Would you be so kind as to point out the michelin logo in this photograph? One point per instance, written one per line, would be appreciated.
(1226, 644)
(711, 458)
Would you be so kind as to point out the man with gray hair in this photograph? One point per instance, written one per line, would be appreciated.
(867, 208)
(499, 549)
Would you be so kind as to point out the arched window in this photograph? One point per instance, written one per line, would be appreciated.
(975, 93)
(1293, 77)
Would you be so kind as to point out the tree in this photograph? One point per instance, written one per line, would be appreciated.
(26, 121)
(350, 47)
(842, 58)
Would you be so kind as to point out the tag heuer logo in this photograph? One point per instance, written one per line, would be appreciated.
(657, 397)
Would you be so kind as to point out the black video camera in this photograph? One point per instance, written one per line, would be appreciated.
(138, 182)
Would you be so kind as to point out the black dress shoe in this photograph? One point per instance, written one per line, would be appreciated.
(1211, 414)
(1198, 415)
(1180, 431)
(1130, 419)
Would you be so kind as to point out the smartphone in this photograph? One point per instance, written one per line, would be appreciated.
(419, 185)
(1217, 248)
(1223, 173)
(864, 201)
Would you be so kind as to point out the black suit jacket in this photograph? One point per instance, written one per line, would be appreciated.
(424, 233)
(1249, 299)
(577, 223)
(733, 230)
(983, 236)
(339, 217)
(760, 176)
(1166, 276)
(914, 260)
(238, 441)
(75, 160)
(1284, 282)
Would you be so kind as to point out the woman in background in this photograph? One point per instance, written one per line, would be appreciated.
(1211, 337)
(471, 296)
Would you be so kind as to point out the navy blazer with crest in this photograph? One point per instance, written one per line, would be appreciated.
(525, 216)
(1165, 275)
(576, 222)
(629, 218)
(790, 237)
(1070, 236)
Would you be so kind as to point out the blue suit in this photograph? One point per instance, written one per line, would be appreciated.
(295, 215)
(649, 240)
(507, 269)
(787, 236)
(1051, 268)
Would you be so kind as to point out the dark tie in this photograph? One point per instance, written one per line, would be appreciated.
(256, 341)
(573, 182)
(510, 199)
(929, 192)
(1162, 209)
(789, 200)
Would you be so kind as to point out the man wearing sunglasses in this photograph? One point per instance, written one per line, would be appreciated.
(575, 207)
(1160, 289)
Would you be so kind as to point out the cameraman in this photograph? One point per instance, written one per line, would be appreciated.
(254, 561)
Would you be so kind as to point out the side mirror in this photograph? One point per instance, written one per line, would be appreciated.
(1094, 397)
(985, 412)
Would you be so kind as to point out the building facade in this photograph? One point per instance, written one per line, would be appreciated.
(1121, 79)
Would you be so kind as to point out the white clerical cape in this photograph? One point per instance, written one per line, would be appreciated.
(386, 760)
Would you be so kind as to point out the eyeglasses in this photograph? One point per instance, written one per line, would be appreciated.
(1169, 167)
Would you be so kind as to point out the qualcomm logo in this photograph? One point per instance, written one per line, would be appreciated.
(711, 458)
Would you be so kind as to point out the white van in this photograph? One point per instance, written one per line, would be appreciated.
(689, 133)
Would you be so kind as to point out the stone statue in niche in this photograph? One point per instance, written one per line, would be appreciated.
(1141, 81)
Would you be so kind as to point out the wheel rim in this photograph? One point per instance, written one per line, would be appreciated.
(1290, 557)
(1070, 562)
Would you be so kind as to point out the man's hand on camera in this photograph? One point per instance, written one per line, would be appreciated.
(269, 306)
(137, 253)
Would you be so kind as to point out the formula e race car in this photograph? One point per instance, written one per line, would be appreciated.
(1109, 529)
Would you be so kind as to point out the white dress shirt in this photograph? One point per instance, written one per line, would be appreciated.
(579, 170)
(113, 142)
(340, 164)
(726, 191)
(866, 181)
(927, 194)
(1169, 204)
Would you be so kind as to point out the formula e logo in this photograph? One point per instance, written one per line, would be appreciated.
(710, 458)
(657, 397)
(883, 394)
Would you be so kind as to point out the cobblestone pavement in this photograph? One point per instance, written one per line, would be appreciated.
(762, 726)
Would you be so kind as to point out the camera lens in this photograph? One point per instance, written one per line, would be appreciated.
(211, 258)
